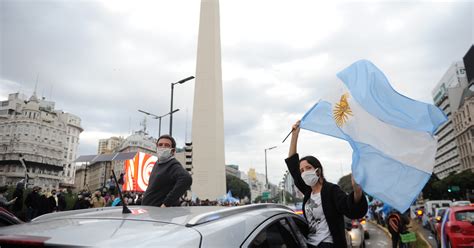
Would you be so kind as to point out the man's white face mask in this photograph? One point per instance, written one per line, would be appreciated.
(310, 177)
(164, 153)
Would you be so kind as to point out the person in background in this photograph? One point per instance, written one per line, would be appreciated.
(44, 203)
(111, 185)
(139, 199)
(110, 201)
(82, 202)
(62, 204)
(324, 203)
(4, 203)
(18, 194)
(53, 201)
(397, 224)
(168, 179)
(32, 203)
(97, 200)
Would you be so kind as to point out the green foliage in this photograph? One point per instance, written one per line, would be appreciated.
(346, 183)
(437, 189)
(239, 188)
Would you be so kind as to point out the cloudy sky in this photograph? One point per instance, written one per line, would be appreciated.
(103, 60)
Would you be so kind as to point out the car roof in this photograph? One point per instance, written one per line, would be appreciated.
(153, 226)
(461, 208)
(176, 215)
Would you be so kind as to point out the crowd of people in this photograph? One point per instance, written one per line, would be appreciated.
(38, 201)
(85, 199)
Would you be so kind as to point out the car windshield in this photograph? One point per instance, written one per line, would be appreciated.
(465, 215)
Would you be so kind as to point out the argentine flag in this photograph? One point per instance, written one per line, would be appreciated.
(391, 135)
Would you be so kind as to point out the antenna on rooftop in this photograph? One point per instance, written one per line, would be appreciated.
(143, 124)
(125, 209)
(51, 92)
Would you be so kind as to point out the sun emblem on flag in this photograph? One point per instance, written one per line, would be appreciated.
(342, 111)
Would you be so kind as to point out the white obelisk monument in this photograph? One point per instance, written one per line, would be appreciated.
(209, 180)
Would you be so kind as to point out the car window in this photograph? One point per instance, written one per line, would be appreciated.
(277, 234)
(465, 215)
(300, 228)
(441, 212)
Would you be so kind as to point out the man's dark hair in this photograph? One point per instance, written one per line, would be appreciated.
(168, 137)
(313, 161)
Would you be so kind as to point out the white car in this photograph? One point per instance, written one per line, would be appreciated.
(460, 203)
(356, 232)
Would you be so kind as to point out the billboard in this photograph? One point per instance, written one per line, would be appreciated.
(137, 172)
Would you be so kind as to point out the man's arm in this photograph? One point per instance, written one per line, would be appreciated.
(183, 182)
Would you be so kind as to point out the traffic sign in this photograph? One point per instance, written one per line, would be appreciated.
(265, 195)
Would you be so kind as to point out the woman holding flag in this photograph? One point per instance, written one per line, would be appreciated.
(324, 203)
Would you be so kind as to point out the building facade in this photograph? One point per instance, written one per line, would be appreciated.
(447, 95)
(464, 126)
(139, 141)
(47, 140)
(464, 117)
(232, 170)
(256, 184)
(290, 187)
(109, 145)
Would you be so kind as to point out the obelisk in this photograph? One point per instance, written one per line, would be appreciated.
(208, 159)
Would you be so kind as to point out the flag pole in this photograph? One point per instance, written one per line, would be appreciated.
(287, 136)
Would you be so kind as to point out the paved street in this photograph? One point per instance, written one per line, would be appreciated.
(428, 236)
(378, 238)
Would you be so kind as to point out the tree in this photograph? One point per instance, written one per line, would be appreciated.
(346, 183)
(431, 191)
(437, 189)
(239, 188)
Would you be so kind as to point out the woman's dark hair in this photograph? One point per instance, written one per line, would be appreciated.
(313, 161)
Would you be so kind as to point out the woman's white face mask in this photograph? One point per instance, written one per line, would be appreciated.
(310, 177)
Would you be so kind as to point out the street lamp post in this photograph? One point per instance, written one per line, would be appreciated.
(158, 117)
(171, 107)
(266, 173)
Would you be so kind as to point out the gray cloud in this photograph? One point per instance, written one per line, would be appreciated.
(103, 66)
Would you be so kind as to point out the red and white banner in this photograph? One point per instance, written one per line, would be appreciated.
(137, 172)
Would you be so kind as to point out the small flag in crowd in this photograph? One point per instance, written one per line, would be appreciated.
(391, 135)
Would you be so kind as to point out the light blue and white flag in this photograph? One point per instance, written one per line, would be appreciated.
(391, 135)
(443, 231)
